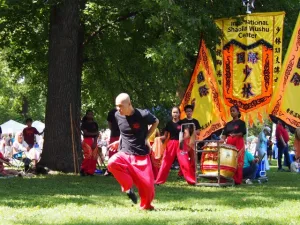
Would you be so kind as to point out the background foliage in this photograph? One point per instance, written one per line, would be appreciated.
(147, 48)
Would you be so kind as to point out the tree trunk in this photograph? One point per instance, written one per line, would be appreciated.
(62, 133)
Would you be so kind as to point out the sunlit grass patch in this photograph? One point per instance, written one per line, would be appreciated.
(70, 199)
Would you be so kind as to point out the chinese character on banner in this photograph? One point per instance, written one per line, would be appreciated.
(277, 41)
(278, 30)
(247, 93)
(277, 50)
(296, 79)
(277, 60)
(219, 62)
(240, 57)
(203, 91)
(247, 72)
(218, 52)
(219, 73)
(276, 69)
(252, 57)
(200, 77)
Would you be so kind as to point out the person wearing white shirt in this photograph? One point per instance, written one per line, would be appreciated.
(31, 154)
(295, 165)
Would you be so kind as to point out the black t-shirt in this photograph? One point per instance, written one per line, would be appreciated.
(234, 127)
(134, 130)
(115, 131)
(90, 127)
(173, 129)
(190, 127)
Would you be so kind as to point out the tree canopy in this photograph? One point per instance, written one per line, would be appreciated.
(147, 48)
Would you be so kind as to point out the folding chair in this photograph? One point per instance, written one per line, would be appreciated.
(19, 160)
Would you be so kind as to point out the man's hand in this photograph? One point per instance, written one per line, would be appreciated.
(114, 146)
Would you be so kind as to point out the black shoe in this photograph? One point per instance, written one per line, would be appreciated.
(26, 168)
(281, 170)
(132, 196)
(82, 173)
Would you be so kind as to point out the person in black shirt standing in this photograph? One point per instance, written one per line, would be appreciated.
(189, 131)
(132, 164)
(172, 150)
(89, 144)
(233, 135)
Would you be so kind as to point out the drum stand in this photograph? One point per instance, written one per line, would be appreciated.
(214, 180)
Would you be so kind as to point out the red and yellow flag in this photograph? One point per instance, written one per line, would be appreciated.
(285, 104)
(202, 92)
(249, 62)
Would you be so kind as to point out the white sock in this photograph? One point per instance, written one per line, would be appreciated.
(128, 191)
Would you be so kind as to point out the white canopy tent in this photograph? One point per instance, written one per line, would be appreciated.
(38, 125)
(11, 127)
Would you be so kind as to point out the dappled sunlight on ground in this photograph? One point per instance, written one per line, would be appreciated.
(69, 199)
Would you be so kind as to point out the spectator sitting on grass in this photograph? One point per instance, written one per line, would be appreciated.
(297, 143)
(295, 165)
(250, 167)
(6, 172)
(31, 154)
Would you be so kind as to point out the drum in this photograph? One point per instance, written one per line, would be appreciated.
(228, 160)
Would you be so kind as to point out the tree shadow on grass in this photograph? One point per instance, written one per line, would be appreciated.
(280, 188)
(54, 190)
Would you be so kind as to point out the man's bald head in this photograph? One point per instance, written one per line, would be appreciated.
(123, 104)
(123, 97)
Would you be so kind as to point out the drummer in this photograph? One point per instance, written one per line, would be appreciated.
(189, 131)
(233, 135)
(172, 150)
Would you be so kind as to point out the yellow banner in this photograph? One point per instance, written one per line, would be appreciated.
(286, 104)
(249, 60)
(202, 92)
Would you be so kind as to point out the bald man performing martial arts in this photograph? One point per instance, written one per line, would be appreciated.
(132, 165)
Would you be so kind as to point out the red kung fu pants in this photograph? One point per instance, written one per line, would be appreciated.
(238, 142)
(137, 170)
(89, 162)
(187, 168)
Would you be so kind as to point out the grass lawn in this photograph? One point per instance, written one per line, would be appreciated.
(70, 199)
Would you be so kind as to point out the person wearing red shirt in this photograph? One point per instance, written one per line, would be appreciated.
(29, 132)
(282, 138)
